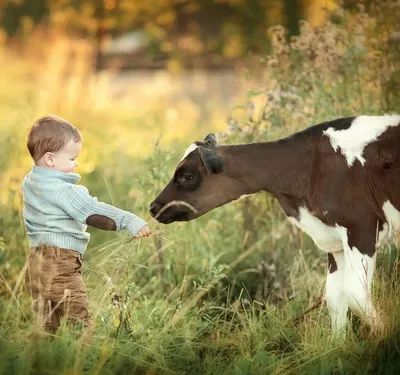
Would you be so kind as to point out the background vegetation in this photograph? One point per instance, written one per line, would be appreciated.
(225, 293)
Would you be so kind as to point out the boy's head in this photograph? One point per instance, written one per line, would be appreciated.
(54, 143)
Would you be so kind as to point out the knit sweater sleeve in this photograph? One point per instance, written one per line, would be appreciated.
(76, 201)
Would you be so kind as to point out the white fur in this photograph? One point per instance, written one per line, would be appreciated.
(350, 284)
(392, 226)
(363, 130)
(190, 149)
(358, 274)
(392, 216)
(327, 238)
(336, 300)
(384, 234)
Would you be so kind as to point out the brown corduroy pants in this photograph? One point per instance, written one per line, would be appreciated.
(54, 279)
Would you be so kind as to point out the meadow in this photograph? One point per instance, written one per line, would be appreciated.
(237, 291)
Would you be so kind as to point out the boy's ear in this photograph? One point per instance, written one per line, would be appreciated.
(48, 158)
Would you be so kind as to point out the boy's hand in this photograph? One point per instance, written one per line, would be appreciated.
(144, 232)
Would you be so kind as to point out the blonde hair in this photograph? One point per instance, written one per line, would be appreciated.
(50, 134)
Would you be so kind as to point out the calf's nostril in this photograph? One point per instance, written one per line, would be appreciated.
(154, 208)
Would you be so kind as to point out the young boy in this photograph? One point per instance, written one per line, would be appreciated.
(56, 214)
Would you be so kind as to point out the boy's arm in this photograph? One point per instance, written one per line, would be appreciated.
(76, 201)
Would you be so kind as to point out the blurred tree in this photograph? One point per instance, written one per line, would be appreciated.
(384, 44)
(14, 12)
(316, 12)
(181, 29)
(292, 13)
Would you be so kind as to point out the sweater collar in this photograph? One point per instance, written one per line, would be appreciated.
(44, 173)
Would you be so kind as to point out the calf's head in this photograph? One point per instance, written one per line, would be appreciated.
(200, 183)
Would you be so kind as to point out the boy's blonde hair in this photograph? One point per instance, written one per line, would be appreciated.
(50, 134)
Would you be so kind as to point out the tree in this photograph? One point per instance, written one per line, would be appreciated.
(181, 29)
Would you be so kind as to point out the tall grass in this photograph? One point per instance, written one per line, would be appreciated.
(220, 294)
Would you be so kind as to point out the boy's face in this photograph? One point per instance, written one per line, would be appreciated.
(65, 159)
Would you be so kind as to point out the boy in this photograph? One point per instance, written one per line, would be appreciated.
(56, 214)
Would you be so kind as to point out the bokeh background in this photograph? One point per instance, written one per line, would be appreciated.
(238, 291)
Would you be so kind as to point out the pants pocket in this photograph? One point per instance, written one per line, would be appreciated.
(79, 264)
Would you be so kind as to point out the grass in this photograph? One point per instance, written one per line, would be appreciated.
(218, 295)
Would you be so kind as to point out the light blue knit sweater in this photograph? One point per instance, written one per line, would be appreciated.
(56, 209)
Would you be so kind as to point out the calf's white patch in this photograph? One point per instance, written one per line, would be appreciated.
(392, 216)
(363, 130)
(392, 225)
(190, 149)
(327, 238)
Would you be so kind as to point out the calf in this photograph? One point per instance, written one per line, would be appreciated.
(338, 181)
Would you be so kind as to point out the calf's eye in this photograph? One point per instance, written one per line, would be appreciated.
(186, 177)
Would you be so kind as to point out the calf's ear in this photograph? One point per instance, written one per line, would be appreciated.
(211, 160)
(211, 139)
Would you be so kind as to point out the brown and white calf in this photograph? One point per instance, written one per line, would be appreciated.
(338, 181)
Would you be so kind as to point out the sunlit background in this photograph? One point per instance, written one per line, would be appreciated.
(143, 79)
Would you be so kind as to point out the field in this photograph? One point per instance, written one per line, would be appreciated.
(227, 293)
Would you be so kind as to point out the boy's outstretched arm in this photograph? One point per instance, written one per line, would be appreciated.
(76, 201)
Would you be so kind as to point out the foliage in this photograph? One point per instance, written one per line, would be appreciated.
(182, 30)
